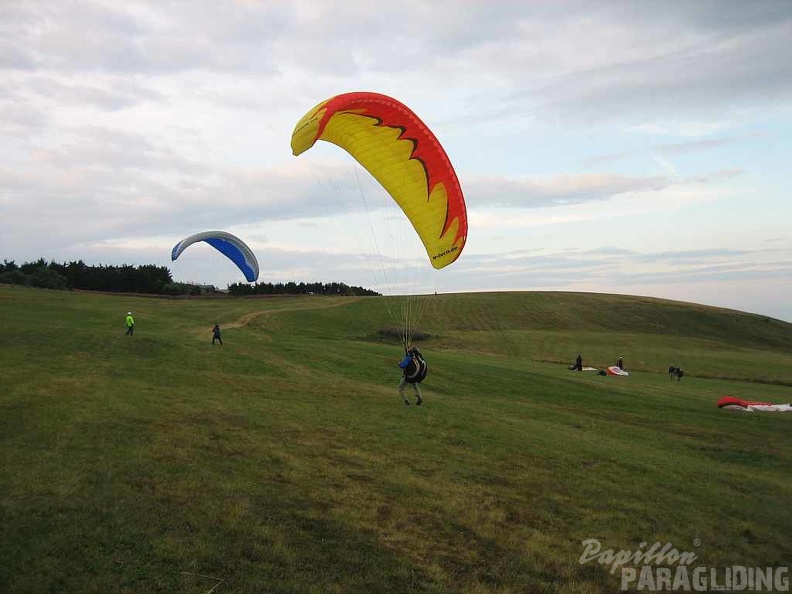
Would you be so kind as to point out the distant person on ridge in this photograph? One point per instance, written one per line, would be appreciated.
(413, 369)
(216, 333)
(620, 362)
(579, 363)
(130, 324)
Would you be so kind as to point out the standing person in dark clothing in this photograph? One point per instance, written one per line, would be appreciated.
(620, 362)
(216, 333)
(579, 363)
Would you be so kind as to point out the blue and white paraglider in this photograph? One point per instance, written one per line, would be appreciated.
(229, 245)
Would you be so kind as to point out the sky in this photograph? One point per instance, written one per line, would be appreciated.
(638, 148)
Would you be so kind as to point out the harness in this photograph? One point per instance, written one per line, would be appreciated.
(415, 372)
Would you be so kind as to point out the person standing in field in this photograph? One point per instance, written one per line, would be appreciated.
(579, 362)
(130, 324)
(620, 362)
(216, 333)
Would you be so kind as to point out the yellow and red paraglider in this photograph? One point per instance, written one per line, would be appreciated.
(400, 151)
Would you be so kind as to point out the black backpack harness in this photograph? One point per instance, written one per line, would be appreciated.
(415, 372)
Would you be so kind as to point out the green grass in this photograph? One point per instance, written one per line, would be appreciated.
(285, 462)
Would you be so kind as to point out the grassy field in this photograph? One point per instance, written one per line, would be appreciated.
(284, 461)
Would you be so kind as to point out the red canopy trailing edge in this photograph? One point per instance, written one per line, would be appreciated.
(738, 404)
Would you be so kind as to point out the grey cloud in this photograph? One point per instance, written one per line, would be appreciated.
(698, 145)
(103, 184)
(715, 177)
(637, 61)
(133, 182)
(602, 159)
(729, 54)
(712, 15)
(571, 189)
(13, 57)
(609, 264)
(670, 149)
(19, 118)
(100, 148)
(559, 190)
(689, 256)
(162, 37)
(16, 22)
(562, 269)
(105, 93)
(754, 68)
(732, 272)
(608, 251)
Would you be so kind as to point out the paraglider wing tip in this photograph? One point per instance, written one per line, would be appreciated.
(305, 134)
(298, 150)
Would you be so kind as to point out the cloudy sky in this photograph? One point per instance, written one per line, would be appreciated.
(617, 146)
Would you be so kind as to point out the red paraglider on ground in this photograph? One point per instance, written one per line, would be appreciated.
(738, 404)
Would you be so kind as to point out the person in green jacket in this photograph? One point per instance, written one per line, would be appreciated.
(130, 324)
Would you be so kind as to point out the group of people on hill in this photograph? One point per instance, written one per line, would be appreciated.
(413, 364)
(673, 371)
(578, 364)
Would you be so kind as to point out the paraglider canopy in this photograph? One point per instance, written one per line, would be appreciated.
(403, 154)
(738, 404)
(227, 244)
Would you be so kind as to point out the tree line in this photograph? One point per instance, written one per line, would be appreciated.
(79, 275)
(146, 279)
(292, 288)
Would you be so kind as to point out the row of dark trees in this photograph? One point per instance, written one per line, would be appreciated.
(292, 288)
(147, 279)
(79, 275)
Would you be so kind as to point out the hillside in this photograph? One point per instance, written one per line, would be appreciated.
(553, 327)
(284, 461)
(561, 311)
